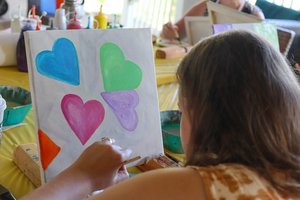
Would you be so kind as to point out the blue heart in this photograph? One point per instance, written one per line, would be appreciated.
(61, 63)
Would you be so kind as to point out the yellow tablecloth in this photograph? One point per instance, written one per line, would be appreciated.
(10, 176)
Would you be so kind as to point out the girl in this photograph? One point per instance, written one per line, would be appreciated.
(240, 131)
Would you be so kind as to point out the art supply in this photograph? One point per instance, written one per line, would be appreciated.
(58, 3)
(39, 22)
(132, 160)
(51, 25)
(158, 163)
(18, 102)
(177, 37)
(114, 24)
(15, 24)
(74, 23)
(171, 138)
(35, 19)
(2, 108)
(8, 44)
(89, 23)
(5, 194)
(60, 20)
(109, 140)
(20, 51)
(32, 14)
(100, 20)
(73, 6)
(170, 125)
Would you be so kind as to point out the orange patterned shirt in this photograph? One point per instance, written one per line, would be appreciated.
(234, 181)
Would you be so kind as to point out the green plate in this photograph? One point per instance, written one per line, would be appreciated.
(18, 103)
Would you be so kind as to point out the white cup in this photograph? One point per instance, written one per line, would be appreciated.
(2, 108)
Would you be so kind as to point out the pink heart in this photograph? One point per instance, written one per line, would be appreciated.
(83, 118)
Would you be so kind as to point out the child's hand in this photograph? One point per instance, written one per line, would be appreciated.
(169, 31)
(101, 164)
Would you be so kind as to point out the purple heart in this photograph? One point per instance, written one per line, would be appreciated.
(123, 104)
(83, 118)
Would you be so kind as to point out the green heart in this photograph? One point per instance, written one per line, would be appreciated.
(117, 72)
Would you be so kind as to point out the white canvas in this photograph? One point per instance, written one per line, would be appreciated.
(266, 30)
(197, 28)
(67, 102)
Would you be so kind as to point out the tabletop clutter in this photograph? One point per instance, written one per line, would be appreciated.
(69, 15)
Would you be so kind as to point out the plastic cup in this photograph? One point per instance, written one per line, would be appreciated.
(2, 108)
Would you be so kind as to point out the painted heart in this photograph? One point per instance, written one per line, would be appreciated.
(83, 118)
(117, 72)
(48, 149)
(61, 63)
(123, 104)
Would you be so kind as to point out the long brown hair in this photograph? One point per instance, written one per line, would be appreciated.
(244, 104)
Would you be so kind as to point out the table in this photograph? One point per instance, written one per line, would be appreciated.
(10, 175)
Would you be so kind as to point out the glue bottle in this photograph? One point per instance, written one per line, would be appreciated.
(101, 19)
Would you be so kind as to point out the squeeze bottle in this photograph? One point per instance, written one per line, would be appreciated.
(101, 19)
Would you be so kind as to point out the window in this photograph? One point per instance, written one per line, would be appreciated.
(136, 13)
(110, 7)
(149, 13)
(293, 4)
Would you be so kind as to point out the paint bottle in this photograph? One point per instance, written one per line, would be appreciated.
(32, 15)
(101, 19)
(60, 20)
(90, 23)
(51, 25)
(74, 23)
(21, 53)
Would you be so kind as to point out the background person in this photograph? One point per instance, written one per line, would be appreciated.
(173, 31)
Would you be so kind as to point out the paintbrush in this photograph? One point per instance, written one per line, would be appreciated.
(177, 37)
(5, 194)
(131, 160)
